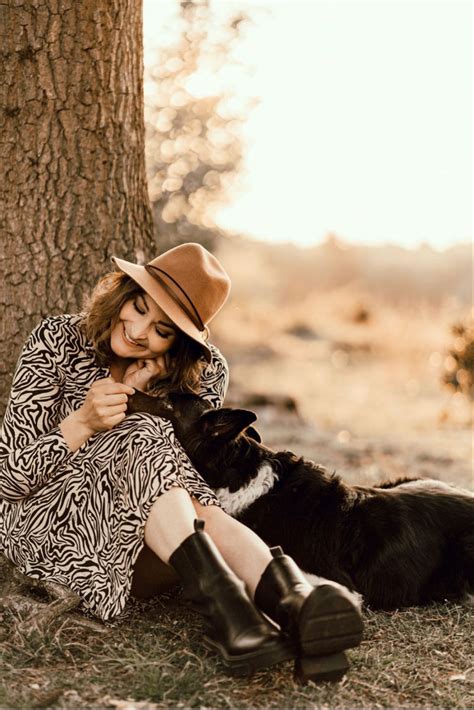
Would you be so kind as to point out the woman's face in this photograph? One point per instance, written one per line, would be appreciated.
(143, 330)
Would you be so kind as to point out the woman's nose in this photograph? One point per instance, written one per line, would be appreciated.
(138, 331)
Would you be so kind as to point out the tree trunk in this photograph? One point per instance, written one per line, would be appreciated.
(73, 183)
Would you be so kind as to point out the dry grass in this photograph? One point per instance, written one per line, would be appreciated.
(416, 658)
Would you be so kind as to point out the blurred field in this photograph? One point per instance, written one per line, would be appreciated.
(360, 339)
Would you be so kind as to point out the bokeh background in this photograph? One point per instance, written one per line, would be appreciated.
(322, 149)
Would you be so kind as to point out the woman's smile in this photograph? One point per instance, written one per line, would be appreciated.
(141, 316)
(129, 341)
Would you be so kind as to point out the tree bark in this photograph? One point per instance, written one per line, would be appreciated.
(73, 185)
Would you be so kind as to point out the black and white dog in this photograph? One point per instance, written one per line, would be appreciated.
(403, 543)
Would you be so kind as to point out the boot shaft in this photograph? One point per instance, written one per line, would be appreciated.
(200, 565)
(238, 631)
(281, 585)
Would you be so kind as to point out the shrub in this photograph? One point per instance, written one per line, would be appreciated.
(459, 364)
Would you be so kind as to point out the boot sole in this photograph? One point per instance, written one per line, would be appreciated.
(248, 663)
(329, 622)
(321, 669)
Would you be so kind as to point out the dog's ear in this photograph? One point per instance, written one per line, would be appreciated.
(253, 434)
(226, 424)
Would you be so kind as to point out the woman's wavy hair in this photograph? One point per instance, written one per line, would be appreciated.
(101, 315)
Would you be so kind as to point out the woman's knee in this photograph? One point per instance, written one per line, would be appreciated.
(144, 422)
(141, 433)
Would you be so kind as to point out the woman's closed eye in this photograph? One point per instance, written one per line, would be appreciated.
(142, 311)
(138, 308)
(162, 334)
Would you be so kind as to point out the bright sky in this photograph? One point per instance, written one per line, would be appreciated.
(364, 122)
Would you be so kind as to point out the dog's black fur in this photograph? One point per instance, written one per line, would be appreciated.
(403, 543)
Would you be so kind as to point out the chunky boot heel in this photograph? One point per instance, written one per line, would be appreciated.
(329, 621)
(238, 632)
(321, 620)
(321, 669)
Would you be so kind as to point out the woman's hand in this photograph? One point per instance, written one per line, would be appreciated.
(105, 404)
(104, 407)
(140, 372)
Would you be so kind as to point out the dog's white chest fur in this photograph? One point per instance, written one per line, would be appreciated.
(236, 502)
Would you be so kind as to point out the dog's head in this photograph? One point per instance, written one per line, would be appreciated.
(221, 443)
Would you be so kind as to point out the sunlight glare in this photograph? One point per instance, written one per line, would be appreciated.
(361, 126)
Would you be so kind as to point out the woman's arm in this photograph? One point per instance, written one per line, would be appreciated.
(34, 441)
(215, 379)
(31, 444)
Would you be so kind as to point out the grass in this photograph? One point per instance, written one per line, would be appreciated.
(415, 658)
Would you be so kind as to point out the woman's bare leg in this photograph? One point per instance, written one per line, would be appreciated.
(245, 553)
(171, 520)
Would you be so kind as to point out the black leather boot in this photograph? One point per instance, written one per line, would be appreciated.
(244, 638)
(322, 620)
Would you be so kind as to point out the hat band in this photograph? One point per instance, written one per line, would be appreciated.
(192, 312)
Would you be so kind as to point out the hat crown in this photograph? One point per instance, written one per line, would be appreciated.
(191, 270)
(188, 283)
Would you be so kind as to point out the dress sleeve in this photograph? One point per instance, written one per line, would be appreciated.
(31, 443)
(215, 379)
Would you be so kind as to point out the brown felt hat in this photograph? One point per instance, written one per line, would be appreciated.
(188, 283)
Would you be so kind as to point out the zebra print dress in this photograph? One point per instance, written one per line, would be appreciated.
(78, 518)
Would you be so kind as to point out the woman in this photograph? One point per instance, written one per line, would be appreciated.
(83, 487)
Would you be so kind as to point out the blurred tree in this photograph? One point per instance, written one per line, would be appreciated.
(193, 145)
(73, 185)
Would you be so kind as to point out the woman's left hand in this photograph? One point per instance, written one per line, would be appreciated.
(140, 372)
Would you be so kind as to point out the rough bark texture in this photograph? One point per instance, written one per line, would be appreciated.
(72, 184)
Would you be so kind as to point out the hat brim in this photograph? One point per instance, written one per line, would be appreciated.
(151, 286)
